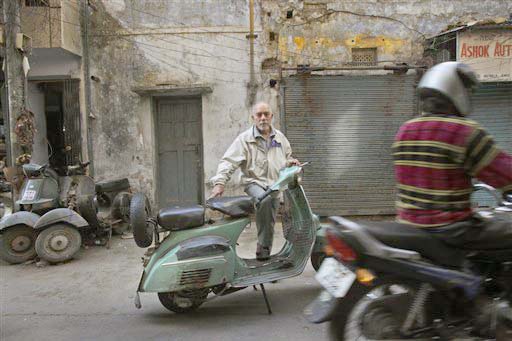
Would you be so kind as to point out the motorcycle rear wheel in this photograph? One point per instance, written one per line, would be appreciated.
(354, 320)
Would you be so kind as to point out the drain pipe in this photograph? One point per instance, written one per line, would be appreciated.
(251, 36)
(87, 89)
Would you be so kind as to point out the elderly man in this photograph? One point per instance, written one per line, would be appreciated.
(260, 152)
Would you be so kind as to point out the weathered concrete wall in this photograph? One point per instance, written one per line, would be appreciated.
(54, 62)
(53, 27)
(323, 32)
(136, 44)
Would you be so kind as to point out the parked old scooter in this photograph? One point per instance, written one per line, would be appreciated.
(55, 212)
(198, 257)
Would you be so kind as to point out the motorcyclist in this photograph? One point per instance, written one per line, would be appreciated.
(440, 153)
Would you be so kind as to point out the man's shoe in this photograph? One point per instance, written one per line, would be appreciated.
(262, 253)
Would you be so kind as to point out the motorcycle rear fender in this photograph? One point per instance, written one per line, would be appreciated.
(19, 218)
(61, 215)
(194, 263)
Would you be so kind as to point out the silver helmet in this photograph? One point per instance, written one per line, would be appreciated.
(454, 80)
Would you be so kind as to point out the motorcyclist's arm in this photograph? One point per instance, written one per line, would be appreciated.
(234, 156)
(486, 162)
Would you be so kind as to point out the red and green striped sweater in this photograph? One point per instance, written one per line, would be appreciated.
(436, 158)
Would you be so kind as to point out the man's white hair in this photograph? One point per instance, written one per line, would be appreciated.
(253, 111)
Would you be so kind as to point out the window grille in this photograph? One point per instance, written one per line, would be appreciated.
(36, 3)
(364, 56)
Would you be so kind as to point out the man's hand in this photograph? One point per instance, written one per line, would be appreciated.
(217, 191)
(292, 162)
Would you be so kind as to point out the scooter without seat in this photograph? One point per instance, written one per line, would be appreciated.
(57, 213)
(199, 257)
(90, 213)
(39, 194)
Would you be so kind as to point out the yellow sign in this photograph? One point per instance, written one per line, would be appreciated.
(488, 52)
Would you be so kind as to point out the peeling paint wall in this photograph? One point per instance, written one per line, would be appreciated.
(203, 42)
(323, 32)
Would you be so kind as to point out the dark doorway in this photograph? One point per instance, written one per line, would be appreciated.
(62, 113)
(180, 160)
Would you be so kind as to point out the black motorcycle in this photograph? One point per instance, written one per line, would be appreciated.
(388, 281)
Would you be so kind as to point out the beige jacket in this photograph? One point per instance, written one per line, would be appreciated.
(259, 161)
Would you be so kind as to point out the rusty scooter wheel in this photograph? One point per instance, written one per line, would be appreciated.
(17, 244)
(58, 243)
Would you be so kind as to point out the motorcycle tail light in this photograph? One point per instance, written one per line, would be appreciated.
(342, 251)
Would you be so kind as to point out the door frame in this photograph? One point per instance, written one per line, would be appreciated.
(156, 173)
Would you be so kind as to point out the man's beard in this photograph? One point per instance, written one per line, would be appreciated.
(263, 126)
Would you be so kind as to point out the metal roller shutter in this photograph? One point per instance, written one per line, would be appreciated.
(345, 125)
(492, 105)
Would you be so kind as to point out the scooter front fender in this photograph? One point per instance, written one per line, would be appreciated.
(61, 215)
(195, 263)
(19, 218)
(320, 240)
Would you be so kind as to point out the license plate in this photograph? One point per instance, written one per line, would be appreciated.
(335, 277)
(29, 195)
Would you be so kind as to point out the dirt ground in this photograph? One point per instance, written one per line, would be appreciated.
(91, 298)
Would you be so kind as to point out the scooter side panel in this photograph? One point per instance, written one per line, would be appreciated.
(61, 215)
(168, 270)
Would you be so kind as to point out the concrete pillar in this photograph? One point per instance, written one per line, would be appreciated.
(14, 76)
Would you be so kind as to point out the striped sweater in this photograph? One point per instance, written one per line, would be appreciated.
(436, 158)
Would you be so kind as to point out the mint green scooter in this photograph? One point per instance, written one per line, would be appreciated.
(198, 258)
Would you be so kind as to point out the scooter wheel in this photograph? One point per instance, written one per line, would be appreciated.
(181, 304)
(58, 243)
(17, 244)
(140, 211)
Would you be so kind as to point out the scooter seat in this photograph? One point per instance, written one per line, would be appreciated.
(181, 218)
(32, 169)
(240, 206)
(112, 185)
(407, 237)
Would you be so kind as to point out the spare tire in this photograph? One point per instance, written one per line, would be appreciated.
(88, 210)
(112, 185)
(140, 211)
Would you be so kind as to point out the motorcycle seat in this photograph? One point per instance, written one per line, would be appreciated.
(181, 218)
(240, 206)
(407, 237)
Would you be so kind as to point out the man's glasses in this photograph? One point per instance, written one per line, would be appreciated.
(263, 113)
